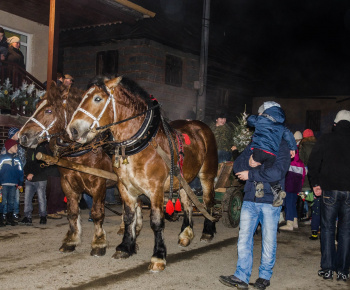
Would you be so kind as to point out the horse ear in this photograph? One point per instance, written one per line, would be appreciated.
(114, 82)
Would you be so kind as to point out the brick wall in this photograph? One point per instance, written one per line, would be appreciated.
(143, 61)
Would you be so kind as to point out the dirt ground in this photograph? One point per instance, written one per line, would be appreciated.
(30, 259)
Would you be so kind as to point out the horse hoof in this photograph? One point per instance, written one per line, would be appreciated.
(184, 242)
(120, 232)
(98, 252)
(186, 237)
(156, 265)
(206, 238)
(67, 249)
(120, 255)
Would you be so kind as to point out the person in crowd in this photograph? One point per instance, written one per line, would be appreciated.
(59, 80)
(293, 185)
(54, 194)
(3, 45)
(329, 172)
(305, 148)
(258, 210)
(14, 54)
(223, 136)
(68, 80)
(11, 176)
(269, 131)
(35, 183)
(13, 134)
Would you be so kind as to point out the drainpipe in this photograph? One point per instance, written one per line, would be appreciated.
(203, 62)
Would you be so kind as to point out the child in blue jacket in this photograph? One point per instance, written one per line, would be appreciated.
(11, 176)
(269, 131)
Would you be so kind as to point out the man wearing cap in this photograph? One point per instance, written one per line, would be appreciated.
(223, 136)
(329, 170)
(68, 80)
(14, 54)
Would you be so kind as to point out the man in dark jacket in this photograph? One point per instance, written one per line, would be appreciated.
(329, 170)
(258, 210)
(35, 183)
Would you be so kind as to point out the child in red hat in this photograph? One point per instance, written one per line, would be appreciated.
(11, 176)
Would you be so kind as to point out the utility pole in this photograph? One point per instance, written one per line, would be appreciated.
(203, 62)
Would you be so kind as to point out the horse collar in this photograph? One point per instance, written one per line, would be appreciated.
(140, 140)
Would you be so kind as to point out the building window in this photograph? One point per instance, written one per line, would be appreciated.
(313, 120)
(24, 41)
(173, 70)
(107, 62)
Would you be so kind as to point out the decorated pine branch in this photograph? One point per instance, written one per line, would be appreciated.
(24, 99)
(241, 133)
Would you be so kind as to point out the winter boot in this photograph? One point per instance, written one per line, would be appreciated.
(2, 220)
(288, 226)
(314, 236)
(259, 189)
(295, 223)
(10, 220)
(278, 195)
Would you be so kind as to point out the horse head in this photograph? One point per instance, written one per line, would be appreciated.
(102, 104)
(50, 116)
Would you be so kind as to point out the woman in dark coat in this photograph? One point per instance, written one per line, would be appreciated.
(14, 54)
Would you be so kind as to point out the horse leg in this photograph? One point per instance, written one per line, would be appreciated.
(122, 225)
(138, 220)
(99, 241)
(128, 245)
(73, 236)
(186, 235)
(209, 229)
(158, 260)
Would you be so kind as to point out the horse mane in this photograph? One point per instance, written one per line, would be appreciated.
(55, 97)
(129, 85)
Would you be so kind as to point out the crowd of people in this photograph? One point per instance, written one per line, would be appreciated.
(297, 165)
(20, 169)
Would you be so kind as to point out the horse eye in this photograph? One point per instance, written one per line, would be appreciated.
(97, 99)
(48, 111)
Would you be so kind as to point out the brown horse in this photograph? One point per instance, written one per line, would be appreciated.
(51, 118)
(137, 130)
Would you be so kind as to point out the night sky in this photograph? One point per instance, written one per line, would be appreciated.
(291, 48)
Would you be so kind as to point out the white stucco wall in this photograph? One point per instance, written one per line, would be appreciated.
(38, 42)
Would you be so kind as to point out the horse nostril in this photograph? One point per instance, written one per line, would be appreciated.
(23, 140)
(74, 132)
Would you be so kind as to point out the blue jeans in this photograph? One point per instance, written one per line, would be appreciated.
(38, 187)
(316, 214)
(8, 197)
(16, 202)
(251, 214)
(291, 206)
(335, 204)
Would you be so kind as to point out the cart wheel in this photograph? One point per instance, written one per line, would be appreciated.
(231, 207)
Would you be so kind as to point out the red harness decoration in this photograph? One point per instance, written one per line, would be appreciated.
(180, 162)
(187, 139)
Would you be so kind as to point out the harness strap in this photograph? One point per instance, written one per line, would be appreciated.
(184, 184)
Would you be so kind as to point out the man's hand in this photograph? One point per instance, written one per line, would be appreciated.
(252, 162)
(292, 153)
(30, 176)
(234, 148)
(243, 175)
(19, 187)
(317, 190)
